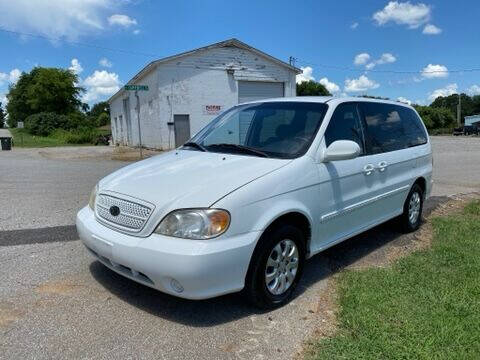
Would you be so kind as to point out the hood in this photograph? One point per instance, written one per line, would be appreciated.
(187, 178)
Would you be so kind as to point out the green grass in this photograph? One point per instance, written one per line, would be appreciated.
(34, 141)
(58, 138)
(426, 306)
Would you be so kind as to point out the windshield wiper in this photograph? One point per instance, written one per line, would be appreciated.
(195, 145)
(239, 148)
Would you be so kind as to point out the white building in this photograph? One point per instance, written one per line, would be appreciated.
(186, 91)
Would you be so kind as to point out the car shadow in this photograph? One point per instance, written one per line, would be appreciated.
(227, 308)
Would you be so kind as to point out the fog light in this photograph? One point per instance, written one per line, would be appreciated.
(176, 286)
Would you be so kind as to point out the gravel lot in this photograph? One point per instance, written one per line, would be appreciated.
(57, 302)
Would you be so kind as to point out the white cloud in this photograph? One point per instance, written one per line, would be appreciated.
(431, 29)
(363, 83)
(432, 71)
(136, 32)
(450, 89)
(121, 20)
(473, 90)
(100, 85)
(306, 75)
(105, 63)
(12, 77)
(55, 18)
(75, 67)
(361, 59)
(354, 25)
(3, 100)
(404, 100)
(386, 58)
(403, 13)
(331, 86)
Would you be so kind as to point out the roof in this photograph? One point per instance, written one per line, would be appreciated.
(329, 99)
(225, 43)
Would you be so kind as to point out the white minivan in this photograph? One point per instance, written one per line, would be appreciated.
(263, 187)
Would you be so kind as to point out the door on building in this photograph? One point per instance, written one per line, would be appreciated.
(258, 90)
(128, 121)
(181, 126)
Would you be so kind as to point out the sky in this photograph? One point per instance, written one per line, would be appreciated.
(406, 50)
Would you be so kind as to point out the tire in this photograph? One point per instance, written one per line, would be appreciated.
(411, 218)
(257, 290)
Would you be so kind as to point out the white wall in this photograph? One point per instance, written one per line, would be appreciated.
(187, 84)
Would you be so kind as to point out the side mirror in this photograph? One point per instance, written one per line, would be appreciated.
(341, 150)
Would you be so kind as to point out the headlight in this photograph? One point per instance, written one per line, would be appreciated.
(93, 196)
(198, 224)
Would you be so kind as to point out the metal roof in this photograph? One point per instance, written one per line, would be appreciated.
(225, 43)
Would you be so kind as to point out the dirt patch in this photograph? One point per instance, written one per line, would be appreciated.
(8, 314)
(57, 288)
(123, 153)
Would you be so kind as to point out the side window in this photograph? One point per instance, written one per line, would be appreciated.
(345, 125)
(392, 127)
(412, 125)
(384, 127)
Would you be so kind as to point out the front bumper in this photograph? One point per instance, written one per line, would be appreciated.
(202, 268)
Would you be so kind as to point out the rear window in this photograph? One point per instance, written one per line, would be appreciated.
(392, 127)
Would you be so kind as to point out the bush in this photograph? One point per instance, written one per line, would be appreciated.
(76, 120)
(43, 124)
(82, 135)
(103, 119)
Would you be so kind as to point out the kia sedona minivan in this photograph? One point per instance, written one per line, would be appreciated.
(265, 186)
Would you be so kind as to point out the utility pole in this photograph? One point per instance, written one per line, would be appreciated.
(138, 120)
(459, 110)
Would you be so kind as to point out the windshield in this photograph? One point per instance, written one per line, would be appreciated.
(270, 129)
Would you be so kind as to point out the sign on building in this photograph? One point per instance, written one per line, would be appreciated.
(136, 87)
(212, 109)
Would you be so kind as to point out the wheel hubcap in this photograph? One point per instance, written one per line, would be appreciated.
(282, 267)
(414, 208)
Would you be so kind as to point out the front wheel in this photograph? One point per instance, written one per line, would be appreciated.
(276, 267)
(412, 209)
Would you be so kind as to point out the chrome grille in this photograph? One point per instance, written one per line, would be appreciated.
(133, 216)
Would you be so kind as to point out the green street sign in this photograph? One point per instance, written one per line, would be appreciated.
(136, 87)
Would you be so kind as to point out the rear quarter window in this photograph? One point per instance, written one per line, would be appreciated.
(391, 127)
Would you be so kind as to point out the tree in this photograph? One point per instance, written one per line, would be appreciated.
(312, 88)
(436, 118)
(99, 114)
(470, 106)
(98, 108)
(2, 116)
(49, 90)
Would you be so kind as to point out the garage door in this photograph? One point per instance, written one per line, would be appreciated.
(258, 90)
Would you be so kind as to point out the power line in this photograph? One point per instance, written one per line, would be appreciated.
(80, 43)
(347, 68)
(292, 60)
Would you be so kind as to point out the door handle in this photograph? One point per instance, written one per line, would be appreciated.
(368, 169)
(382, 165)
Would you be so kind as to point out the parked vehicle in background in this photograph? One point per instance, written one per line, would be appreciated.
(470, 130)
(458, 131)
(466, 130)
(265, 186)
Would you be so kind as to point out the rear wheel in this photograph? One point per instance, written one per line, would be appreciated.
(412, 209)
(276, 267)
